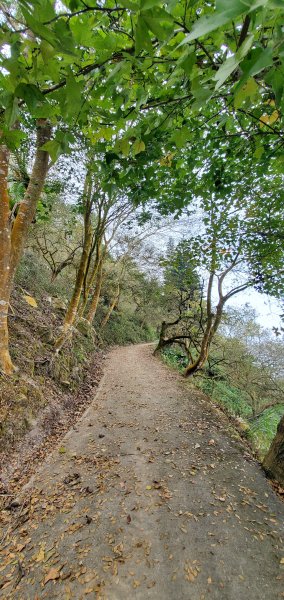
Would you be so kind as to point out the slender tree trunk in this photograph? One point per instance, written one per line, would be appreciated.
(110, 309)
(72, 309)
(203, 355)
(273, 462)
(162, 343)
(75, 299)
(5, 255)
(91, 279)
(12, 241)
(213, 322)
(27, 208)
(95, 300)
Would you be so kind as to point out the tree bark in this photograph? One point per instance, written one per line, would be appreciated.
(162, 342)
(27, 208)
(273, 462)
(5, 254)
(13, 236)
(95, 300)
(208, 334)
(75, 299)
(72, 310)
(111, 308)
(91, 279)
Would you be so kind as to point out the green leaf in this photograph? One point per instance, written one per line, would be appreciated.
(30, 94)
(12, 111)
(275, 78)
(249, 90)
(142, 38)
(54, 149)
(181, 136)
(232, 62)
(258, 151)
(145, 4)
(138, 147)
(226, 11)
(73, 95)
(200, 91)
(13, 138)
(259, 60)
(124, 145)
(188, 62)
(64, 38)
(36, 27)
(159, 22)
(129, 4)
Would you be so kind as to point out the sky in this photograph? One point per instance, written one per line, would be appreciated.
(268, 308)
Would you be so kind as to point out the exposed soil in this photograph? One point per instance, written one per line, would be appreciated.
(150, 495)
(62, 411)
(48, 393)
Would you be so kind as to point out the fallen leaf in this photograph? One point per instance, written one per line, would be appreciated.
(41, 555)
(53, 574)
(31, 301)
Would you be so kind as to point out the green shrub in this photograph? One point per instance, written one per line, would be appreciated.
(125, 328)
(263, 429)
(34, 276)
(232, 399)
(175, 357)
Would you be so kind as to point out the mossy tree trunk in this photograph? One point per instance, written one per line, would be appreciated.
(13, 234)
(111, 307)
(5, 255)
(95, 300)
(273, 462)
(72, 309)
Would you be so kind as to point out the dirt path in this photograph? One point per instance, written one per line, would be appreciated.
(149, 496)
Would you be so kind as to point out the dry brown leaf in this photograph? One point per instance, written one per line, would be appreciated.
(31, 301)
(52, 574)
(41, 555)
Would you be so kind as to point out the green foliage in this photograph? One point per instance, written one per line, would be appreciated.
(263, 429)
(249, 387)
(127, 329)
(175, 358)
(230, 397)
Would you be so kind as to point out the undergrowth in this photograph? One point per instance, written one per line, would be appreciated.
(260, 431)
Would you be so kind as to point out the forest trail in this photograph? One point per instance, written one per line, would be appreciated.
(151, 495)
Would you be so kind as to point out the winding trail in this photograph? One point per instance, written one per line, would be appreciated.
(151, 495)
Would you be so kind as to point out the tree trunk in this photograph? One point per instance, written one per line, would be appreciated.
(12, 241)
(198, 364)
(213, 322)
(5, 254)
(95, 300)
(27, 208)
(91, 279)
(162, 342)
(273, 462)
(75, 299)
(110, 309)
(72, 309)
